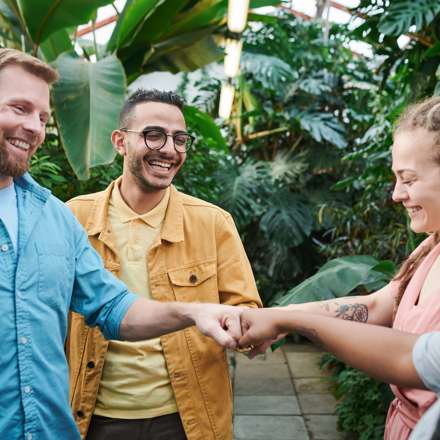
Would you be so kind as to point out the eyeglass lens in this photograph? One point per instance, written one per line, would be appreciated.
(156, 139)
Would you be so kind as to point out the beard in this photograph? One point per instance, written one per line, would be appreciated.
(136, 167)
(9, 165)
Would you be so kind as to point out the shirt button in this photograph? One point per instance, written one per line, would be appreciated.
(27, 389)
(90, 364)
(193, 279)
(23, 340)
(29, 436)
(80, 414)
(4, 248)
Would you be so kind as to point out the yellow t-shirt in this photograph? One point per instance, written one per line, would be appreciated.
(135, 383)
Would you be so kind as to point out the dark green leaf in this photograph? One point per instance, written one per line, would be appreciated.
(49, 16)
(93, 93)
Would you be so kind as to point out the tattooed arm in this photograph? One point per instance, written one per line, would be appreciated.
(381, 352)
(376, 308)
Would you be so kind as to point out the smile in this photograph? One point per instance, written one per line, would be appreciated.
(22, 145)
(160, 164)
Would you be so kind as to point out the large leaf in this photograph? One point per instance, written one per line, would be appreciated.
(272, 72)
(87, 99)
(323, 127)
(287, 220)
(402, 14)
(338, 278)
(134, 15)
(55, 45)
(184, 53)
(203, 124)
(242, 190)
(44, 17)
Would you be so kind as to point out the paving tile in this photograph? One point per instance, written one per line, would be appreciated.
(304, 364)
(262, 380)
(269, 428)
(313, 385)
(317, 403)
(275, 357)
(301, 348)
(266, 405)
(324, 427)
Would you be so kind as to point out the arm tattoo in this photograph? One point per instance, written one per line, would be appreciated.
(311, 334)
(353, 312)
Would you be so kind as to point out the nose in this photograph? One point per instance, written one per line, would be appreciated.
(32, 124)
(399, 193)
(169, 145)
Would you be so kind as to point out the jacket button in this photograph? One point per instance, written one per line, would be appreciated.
(80, 414)
(90, 364)
(193, 279)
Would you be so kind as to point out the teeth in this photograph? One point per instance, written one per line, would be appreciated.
(20, 144)
(160, 164)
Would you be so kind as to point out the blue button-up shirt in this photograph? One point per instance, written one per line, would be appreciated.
(54, 269)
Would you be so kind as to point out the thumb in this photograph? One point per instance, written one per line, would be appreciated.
(245, 340)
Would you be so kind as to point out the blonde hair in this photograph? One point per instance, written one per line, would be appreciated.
(426, 115)
(10, 57)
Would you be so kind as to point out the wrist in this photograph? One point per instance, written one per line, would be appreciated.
(186, 312)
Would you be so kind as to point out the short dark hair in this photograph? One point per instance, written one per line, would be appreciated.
(152, 95)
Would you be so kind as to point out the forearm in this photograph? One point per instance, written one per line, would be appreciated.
(147, 319)
(383, 353)
(371, 309)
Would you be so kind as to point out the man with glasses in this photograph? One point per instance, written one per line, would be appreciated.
(167, 246)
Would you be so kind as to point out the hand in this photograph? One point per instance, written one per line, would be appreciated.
(260, 329)
(220, 322)
(261, 349)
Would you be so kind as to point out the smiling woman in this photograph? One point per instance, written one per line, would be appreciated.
(410, 302)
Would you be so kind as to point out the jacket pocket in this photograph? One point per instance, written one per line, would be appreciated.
(55, 274)
(196, 282)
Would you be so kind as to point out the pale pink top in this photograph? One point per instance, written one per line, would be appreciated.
(410, 404)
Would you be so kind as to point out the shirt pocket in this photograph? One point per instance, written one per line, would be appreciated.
(55, 273)
(195, 283)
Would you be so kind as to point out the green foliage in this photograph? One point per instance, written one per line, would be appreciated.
(94, 93)
(340, 277)
(400, 16)
(45, 17)
(363, 403)
(323, 127)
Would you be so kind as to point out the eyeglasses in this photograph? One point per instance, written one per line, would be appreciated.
(156, 139)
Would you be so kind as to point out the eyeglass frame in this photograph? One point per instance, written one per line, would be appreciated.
(144, 133)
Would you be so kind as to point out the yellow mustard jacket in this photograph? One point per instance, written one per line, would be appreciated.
(197, 257)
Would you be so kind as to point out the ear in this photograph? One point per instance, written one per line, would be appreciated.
(118, 141)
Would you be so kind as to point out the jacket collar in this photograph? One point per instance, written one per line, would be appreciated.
(172, 227)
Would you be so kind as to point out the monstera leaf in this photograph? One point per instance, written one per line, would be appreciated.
(323, 127)
(401, 15)
(88, 98)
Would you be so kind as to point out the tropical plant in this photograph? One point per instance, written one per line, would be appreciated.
(297, 113)
(341, 277)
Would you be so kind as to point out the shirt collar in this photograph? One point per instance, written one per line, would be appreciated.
(153, 218)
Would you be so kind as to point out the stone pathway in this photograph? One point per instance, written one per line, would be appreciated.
(282, 396)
